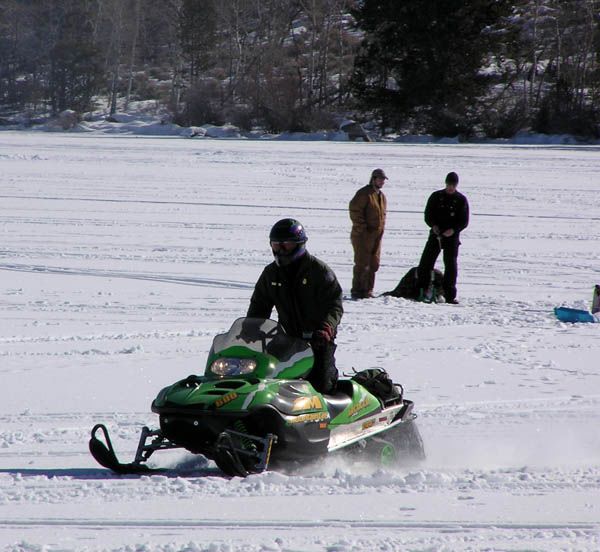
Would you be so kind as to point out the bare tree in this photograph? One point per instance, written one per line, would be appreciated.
(136, 30)
(115, 10)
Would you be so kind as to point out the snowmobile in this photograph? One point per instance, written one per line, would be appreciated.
(252, 410)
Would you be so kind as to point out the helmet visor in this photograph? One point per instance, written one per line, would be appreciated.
(283, 246)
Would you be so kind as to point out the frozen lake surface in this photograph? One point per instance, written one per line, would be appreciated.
(121, 258)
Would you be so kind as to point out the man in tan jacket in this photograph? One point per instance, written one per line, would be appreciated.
(367, 212)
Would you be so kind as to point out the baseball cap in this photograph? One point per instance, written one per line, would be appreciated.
(378, 173)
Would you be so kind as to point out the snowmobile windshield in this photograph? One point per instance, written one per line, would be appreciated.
(260, 335)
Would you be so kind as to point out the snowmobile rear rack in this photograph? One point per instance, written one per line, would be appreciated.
(105, 455)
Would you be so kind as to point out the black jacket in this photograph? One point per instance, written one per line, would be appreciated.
(447, 211)
(306, 295)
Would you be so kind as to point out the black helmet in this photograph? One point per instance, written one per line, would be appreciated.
(288, 230)
(285, 232)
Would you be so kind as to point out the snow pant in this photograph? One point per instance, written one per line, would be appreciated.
(429, 256)
(367, 254)
(324, 374)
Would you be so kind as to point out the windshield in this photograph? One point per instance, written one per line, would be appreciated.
(260, 335)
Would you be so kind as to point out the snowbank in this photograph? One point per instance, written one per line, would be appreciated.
(145, 119)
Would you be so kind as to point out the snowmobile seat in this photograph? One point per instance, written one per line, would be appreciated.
(345, 387)
(340, 400)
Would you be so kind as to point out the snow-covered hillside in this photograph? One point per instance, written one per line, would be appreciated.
(122, 256)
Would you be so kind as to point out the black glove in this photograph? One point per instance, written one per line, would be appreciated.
(251, 332)
(322, 336)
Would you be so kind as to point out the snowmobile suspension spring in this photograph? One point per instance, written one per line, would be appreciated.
(240, 427)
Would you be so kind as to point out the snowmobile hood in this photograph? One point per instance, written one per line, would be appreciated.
(200, 393)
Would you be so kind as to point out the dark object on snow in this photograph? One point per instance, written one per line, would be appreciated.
(355, 131)
(408, 287)
(596, 299)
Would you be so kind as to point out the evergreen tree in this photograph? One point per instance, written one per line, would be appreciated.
(71, 60)
(197, 27)
(420, 61)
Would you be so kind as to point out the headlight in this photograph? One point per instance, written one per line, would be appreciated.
(232, 366)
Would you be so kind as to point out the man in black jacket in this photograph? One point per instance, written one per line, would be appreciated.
(447, 214)
(307, 296)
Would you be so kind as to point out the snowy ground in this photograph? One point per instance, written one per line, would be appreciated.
(121, 257)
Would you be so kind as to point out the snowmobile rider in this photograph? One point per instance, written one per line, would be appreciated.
(307, 296)
(447, 214)
(367, 213)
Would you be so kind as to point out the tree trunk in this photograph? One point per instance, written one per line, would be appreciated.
(136, 30)
(115, 56)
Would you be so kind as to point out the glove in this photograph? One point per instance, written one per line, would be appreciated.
(322, 336)
(251, 332)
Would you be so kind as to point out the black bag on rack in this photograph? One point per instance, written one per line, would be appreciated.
(378, 382)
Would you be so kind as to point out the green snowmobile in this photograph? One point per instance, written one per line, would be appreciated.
(252, 410)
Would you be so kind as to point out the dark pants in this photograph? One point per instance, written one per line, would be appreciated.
(324, 374)
(427, 263)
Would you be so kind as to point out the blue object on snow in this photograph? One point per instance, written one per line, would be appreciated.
(565, 314)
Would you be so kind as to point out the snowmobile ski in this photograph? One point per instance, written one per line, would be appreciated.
(105, 455)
